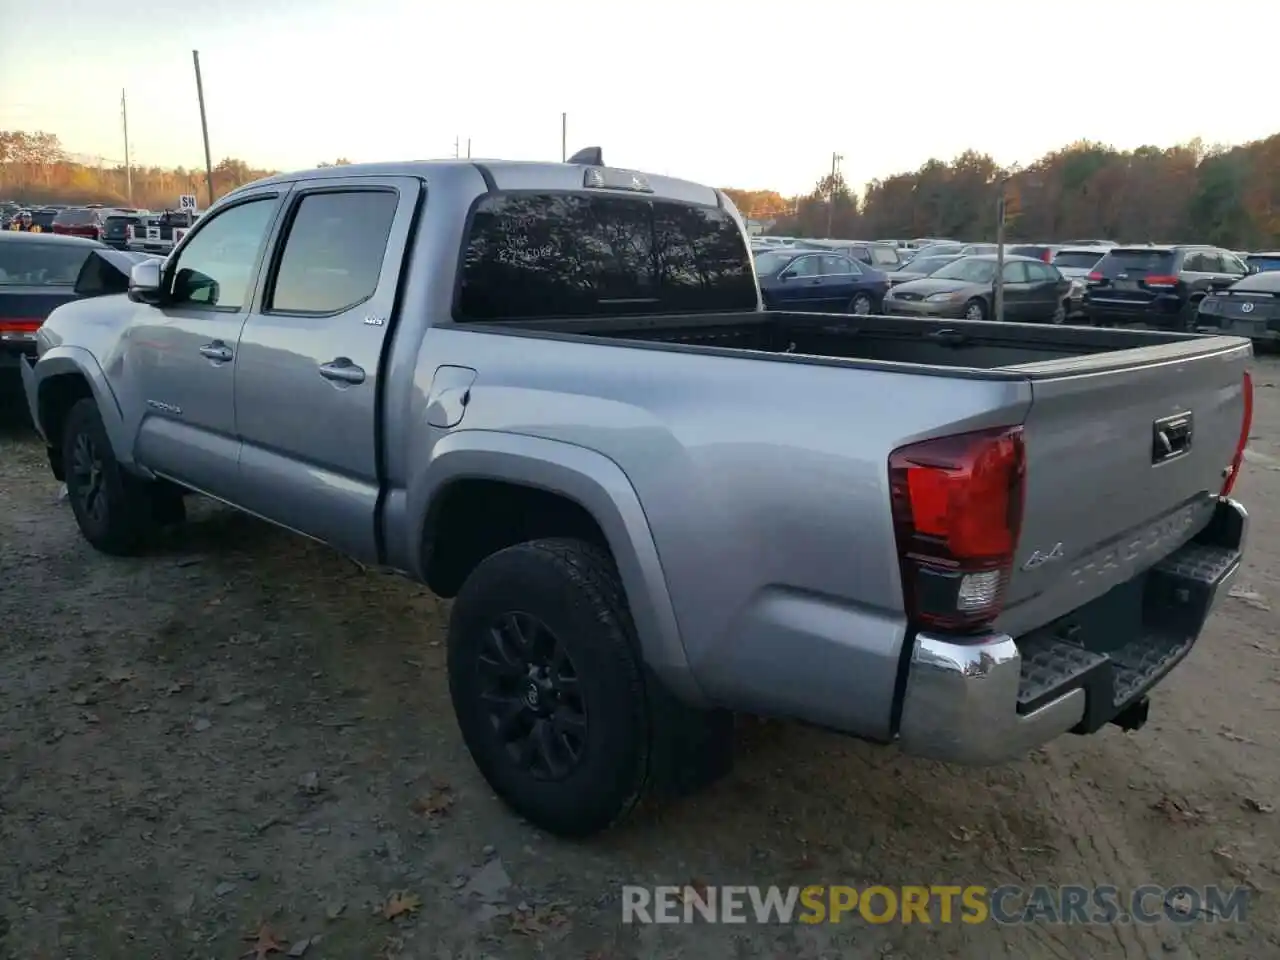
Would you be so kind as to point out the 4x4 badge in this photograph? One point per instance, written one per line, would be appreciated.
(1039, 559)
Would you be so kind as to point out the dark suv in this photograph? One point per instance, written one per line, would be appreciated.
(1160, 286)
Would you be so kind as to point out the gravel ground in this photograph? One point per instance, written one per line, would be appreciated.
(241, 744)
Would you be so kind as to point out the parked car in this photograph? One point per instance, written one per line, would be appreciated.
(1039, 251)
(1090, 243)
(919, 267)
(1034, 292)
(827, 282)
(38, 272)
(157, 233)
(878, 256)
(84, 222)
(1160, 286)
(1076, 263)
(643, 492)
(115, 228)
(42, 219)
(942, 248)
(1264, 261)
(1250, 307)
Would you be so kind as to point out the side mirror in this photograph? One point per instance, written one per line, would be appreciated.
(786, 274)
(145, 280)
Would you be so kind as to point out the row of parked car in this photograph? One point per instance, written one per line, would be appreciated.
(125, 228)
(1100, 282)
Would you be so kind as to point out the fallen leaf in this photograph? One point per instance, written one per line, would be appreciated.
(1178, 811)
(1249, 597)
(963, 834)
(1258, 806)
(119, 676)
(399, 904)
(334, 910)
(264, 942)
(436, 802)
(1235, 737)
(540, 920)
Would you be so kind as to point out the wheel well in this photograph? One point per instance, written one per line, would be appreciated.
(472, 518)
(57, 396)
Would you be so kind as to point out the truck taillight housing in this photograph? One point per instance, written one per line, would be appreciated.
(1246, 424)
(957, 512)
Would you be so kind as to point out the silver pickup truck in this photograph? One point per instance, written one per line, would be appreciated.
(549, 391)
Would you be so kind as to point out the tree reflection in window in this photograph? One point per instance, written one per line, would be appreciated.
(535, 255)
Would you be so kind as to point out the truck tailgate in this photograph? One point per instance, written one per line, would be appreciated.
(1126, 453)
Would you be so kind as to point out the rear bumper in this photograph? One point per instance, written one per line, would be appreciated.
(923, 308)
(990, 699)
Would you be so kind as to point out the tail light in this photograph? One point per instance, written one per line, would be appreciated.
(1246, 424)
(1095, 276)
(1161, 281)
(957, 512)
(18, 329)
(1047, 256)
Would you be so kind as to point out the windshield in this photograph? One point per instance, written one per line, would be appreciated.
(41, 264)
(76, 218)
(1077, 259)
(1265, 264)
(1126, 261)
(770, 262)
(927, 265)
(970, 270)
(1266, 282)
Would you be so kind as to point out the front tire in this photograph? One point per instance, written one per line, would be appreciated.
(861, 305)
(1059, 315)
(116, 511)
(547, 685)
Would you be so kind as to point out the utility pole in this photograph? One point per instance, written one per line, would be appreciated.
(564, 137)
(128, 168)
(204, 124)
(468, 148)
(831, 192)
(998, 299)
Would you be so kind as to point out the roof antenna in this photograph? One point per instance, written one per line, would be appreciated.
(588, 156)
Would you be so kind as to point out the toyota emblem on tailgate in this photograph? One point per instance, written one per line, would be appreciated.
(1246, 307)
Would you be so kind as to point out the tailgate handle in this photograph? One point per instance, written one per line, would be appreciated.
(1170, 437)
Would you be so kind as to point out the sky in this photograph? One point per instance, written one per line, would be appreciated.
(750, 94)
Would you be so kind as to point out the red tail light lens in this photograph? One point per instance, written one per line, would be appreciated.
(1047, 256)
(957, 510)
(8, 325)
(1095, 276)
(1246, 424)
(1161, 280)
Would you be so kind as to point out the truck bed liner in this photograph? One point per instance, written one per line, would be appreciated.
(1015, 348)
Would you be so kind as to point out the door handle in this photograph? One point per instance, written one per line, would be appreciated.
(216, 351)
(342, 370)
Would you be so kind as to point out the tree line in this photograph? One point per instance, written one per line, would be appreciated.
(1190, 192)
(35, 168)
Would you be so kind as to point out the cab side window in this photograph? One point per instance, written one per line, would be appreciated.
(332, 258)
(215, 268)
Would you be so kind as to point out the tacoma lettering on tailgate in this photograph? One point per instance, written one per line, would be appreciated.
(1162, 535)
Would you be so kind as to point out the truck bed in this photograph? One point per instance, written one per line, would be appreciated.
(1019, 348)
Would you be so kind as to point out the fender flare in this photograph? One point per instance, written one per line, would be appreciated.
(62, 360)
(599, 486)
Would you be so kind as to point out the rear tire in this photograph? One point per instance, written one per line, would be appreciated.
(975, 309)
(116, 511)
(547, 685)
(1059, 315)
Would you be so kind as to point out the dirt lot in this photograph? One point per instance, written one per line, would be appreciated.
(244, 730)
